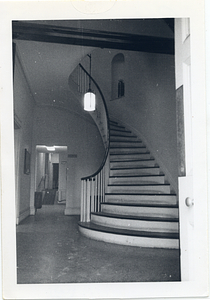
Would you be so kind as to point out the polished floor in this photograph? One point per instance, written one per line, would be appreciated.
(50, 249)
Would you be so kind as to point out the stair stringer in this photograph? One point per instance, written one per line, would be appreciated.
(153, 152)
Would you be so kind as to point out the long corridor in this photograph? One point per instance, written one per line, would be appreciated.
(50, 249)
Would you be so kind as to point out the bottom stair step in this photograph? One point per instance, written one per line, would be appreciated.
(130, 237)
(148, 210)
(156, 223)
(133, 217)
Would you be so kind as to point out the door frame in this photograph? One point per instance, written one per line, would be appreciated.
(193, 179)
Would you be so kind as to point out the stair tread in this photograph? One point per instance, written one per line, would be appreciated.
(121, 135)
(138, 141)
(129, 153)
(127, 147)
(113, 123)
(122, 139)
(120, 130)
(133, 160)
(138, 233)
(114, 126)
(139, 194)
(138, 184)
(133, 168)
(139, 217)
(141, 204)
(136, 176)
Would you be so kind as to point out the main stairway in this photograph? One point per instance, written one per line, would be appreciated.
(127, 200)
(139, 208)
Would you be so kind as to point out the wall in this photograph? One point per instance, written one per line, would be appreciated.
(62, 175)
(23, 108)
(149, 106)
(53, 126)
(40, 171)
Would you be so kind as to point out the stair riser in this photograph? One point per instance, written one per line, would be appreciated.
(162, 199)
(136, 180)
(138, 189)
(142, 171)
(130, 156)
(131, 164)
(116, 126)
(135, 224)
(119, 132)
(126, 144)
(140, 210)
(123, 138)
(125, 150)
(130, 240)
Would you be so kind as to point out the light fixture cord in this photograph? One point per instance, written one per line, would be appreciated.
(90, 72)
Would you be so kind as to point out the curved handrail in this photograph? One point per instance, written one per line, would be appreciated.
(108, 129)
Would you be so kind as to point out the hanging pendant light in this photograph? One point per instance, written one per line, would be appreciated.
(89, 97)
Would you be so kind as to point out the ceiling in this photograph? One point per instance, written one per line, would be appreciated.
(50, 50)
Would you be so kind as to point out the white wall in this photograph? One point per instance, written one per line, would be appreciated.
(149, 106)
(23, 107)
(62, 175)
(40, 171)
(53, 126)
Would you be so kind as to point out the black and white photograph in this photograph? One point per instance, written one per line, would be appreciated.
(104, 150)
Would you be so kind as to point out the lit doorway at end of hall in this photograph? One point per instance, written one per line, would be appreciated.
(50, 175)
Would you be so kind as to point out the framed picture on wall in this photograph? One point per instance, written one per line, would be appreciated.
(27, 159)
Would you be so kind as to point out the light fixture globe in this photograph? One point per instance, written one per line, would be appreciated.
(89, 97)
(89, 101)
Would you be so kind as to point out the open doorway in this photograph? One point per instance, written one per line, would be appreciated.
(55, 175)
(50, 177)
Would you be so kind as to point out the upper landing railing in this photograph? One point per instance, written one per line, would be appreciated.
(92, 186)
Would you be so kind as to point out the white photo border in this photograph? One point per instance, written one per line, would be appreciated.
(31, 10)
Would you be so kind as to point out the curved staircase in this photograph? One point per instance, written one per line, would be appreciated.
(139, 208)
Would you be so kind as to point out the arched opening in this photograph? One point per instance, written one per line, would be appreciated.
(118, 82)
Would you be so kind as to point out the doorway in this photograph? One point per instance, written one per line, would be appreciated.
(50, 177)
(55, 175)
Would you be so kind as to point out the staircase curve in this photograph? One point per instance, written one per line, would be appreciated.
(128, 201)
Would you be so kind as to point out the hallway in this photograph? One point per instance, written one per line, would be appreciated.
(50, 249)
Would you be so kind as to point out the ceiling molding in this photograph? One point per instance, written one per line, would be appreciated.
(92, 38)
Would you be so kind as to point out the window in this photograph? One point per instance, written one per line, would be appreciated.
(121, 88)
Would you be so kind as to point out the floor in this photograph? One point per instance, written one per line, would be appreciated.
(50, 249)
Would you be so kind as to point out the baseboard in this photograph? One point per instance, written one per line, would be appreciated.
(32, 211)
(23, 215)
(72, 211)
